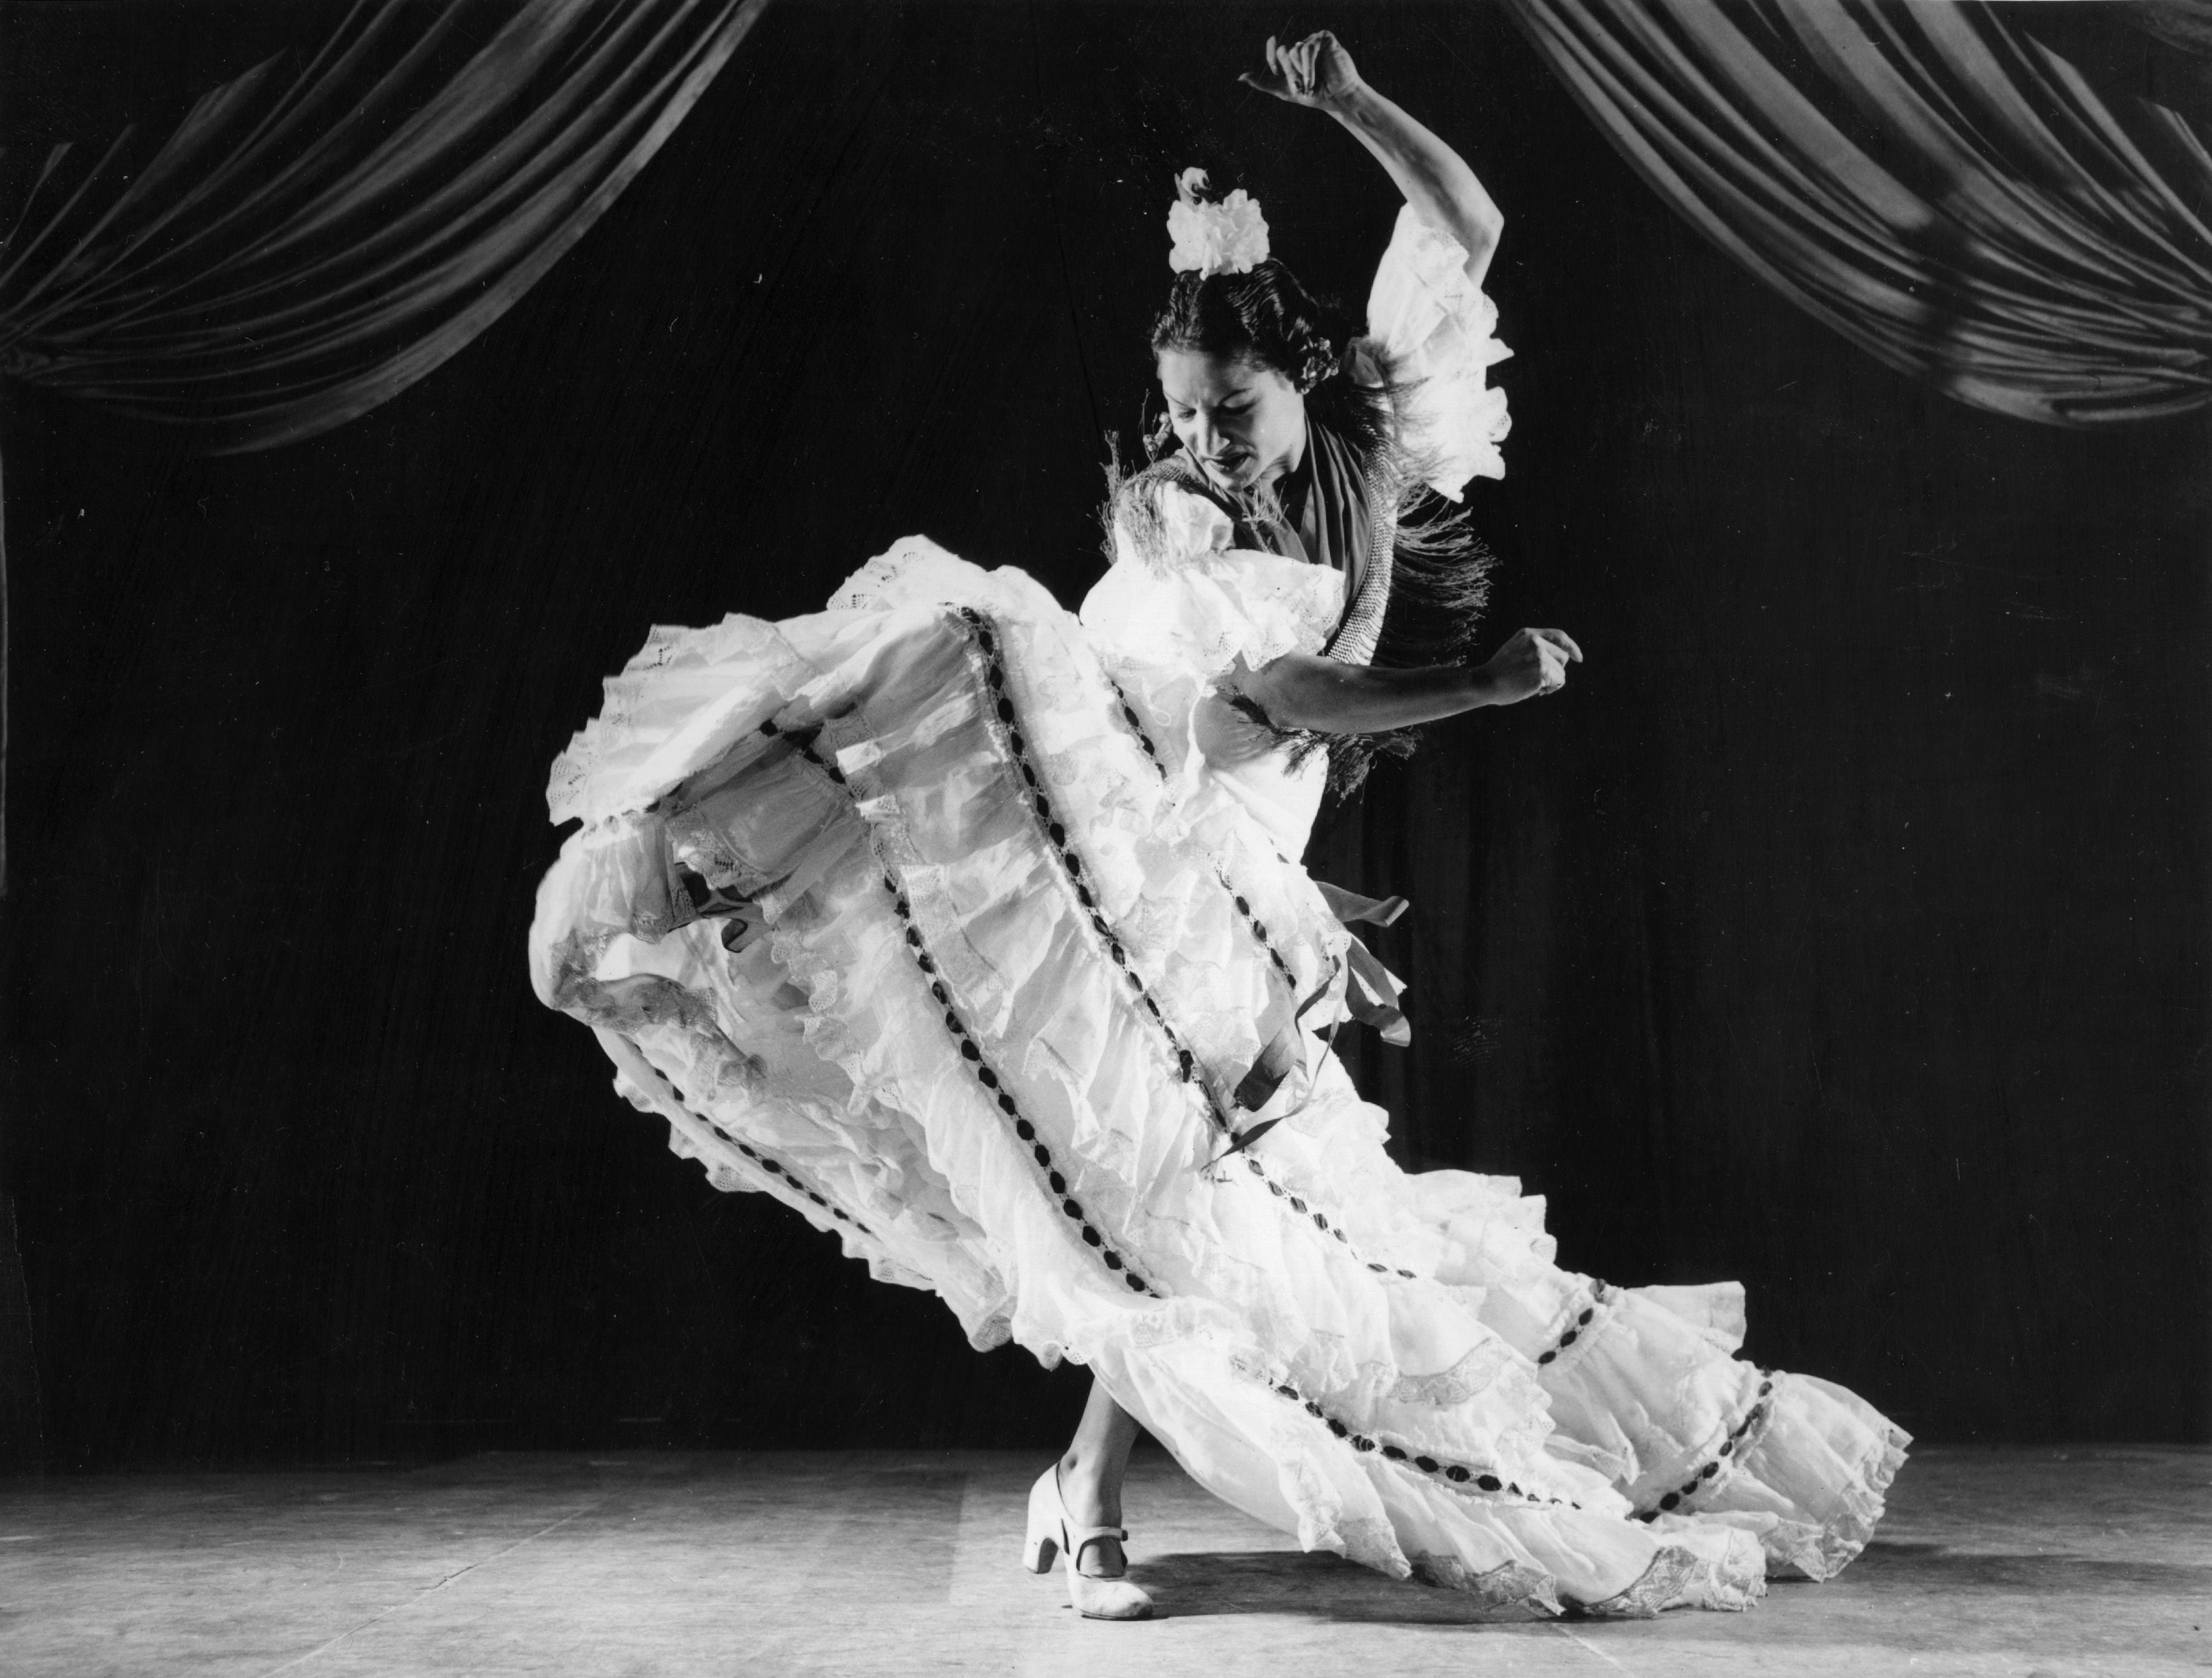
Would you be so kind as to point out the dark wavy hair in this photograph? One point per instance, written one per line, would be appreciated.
(1267, 317)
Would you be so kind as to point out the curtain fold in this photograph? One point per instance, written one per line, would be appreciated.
(1930, 181)
(307, 246)
(303, 247)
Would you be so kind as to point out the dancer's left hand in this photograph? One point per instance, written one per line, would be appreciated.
(1316, 73)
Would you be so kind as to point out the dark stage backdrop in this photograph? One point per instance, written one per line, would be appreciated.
(1842, 928)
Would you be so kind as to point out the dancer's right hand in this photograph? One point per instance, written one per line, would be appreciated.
(1316, 72)
(1533, 663)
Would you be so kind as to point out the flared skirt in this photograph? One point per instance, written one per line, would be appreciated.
(912, 916)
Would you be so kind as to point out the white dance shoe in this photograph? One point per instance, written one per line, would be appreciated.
(1050, 1533)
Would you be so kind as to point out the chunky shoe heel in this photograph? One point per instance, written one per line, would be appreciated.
(1041, 1546)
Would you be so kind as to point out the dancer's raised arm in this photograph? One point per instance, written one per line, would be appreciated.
(1318, 73)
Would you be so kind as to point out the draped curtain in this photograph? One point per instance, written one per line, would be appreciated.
(304, 248)
(310, 241)
(1928, 180)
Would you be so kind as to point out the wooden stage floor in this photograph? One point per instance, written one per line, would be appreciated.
(2039, 1563)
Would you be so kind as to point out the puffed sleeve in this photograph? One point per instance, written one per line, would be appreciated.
(1180, 599)
(1434, 330)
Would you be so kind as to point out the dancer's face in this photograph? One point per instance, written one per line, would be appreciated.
(1244, 424)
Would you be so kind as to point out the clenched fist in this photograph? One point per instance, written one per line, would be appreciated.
(1533, 662)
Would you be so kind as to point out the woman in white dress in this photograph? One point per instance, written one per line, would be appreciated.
(976, 935)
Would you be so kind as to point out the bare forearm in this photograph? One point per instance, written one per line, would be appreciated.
(1319, 74)
(1303, 691)
(1436, 179)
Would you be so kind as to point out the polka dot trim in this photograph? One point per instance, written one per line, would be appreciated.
(986, 641)
(1063, 845)
(1460, 1476)
(1243, 905)
(1137, 727)
(1275, 956)
(1733, 1446)
(1296, 1204)
(971, 1054)
(1259, 931)
(1579, 1327)
(774, 1168)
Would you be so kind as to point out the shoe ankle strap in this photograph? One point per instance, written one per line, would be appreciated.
(1076, 1537)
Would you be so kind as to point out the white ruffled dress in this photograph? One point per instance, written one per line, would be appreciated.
(955, 923)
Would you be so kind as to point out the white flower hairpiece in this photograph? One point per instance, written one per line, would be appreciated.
(1227, 238)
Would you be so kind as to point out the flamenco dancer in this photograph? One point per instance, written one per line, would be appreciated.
(974, 933)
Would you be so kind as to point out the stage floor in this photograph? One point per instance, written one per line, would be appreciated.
(2042, 1563)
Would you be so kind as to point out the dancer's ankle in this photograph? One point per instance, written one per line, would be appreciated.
(1091, 1499)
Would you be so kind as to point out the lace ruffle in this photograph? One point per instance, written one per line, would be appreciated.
(1709, 1568)
(686, 693)
(1203, 611)
(1436, 333)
